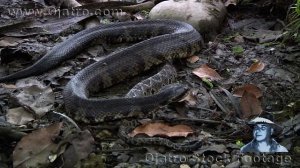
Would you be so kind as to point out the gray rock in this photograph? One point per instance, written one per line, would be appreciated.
(184, 166)
(214, 166)
(197, 166)
(205, 16)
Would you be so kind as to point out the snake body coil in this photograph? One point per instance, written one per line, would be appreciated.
(167, 40)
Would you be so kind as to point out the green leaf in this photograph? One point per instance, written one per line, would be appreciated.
(239, 143)
(238, 50)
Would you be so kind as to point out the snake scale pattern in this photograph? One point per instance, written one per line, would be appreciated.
(159, 41)
(169, 40)
(163, 40)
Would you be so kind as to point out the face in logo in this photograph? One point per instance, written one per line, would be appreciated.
(262, 132)
(263, 129)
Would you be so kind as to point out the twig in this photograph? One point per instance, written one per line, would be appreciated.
(197, 120)
(68, 119)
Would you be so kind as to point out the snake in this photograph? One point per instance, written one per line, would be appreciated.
(158, 41)
(164, 40)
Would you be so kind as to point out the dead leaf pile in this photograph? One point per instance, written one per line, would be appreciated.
(43, 146)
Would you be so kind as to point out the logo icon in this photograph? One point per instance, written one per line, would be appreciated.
(263, 141)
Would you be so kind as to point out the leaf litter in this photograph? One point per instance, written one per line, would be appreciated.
(206, 72)
(34, 149)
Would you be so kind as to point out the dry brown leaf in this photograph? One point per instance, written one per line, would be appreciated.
(10, 41)
(38, 97)
(152, 129)
(239, 91)
(250, 105)
(190, 98)
(206, 72)
(19, 116)
(256, 67)
(35, 149)
(193, 59)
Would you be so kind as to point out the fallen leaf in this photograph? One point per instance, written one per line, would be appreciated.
(250, 88)
(35, 148)
(250, 105)
(36, 96)
(193, 59)
(190, 98)
(82, 144)
(206, 72)
(256, 67)
(18, 116)
(162, 129)
(56, 73)
(10, 41)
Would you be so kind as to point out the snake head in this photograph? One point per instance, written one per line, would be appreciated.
(174, 92)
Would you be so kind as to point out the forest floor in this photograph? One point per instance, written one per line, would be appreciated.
(247, 61)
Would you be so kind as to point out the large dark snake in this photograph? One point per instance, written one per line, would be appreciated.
(164, 40)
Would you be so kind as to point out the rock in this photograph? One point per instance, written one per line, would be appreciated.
(205, 16)
(197, 165)
(184, 166)
(214, 166)
(235, 164)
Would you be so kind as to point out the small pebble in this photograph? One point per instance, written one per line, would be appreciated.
(192, 161)
(234, 158)
(215, 166)
(197, 166)
(184, 166)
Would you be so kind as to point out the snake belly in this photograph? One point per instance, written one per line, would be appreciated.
(168, 40)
